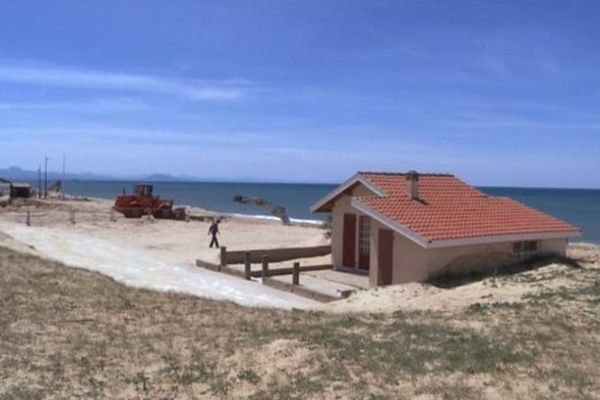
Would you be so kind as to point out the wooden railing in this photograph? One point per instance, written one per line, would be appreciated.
(274, 255)
(264, 257)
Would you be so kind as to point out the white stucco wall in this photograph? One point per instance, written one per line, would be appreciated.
(555, 246)
(410, 259)
(413, 263)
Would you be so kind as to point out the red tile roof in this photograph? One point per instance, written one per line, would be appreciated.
(450, 209)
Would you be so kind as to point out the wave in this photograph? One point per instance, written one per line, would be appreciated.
(315, 222)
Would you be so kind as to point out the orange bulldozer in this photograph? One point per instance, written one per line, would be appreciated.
(142, 202)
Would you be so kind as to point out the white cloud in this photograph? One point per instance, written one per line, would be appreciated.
(91, 105)
(107, 136)
(96, 79)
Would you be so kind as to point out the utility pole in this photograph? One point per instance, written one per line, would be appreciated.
(62, 187)
(39, 181)
(46, 177)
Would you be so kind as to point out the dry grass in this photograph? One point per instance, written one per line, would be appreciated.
(67, 333)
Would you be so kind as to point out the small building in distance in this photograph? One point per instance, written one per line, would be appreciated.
(14, 189)
(411, 227)
(5, 188)
(20, 190)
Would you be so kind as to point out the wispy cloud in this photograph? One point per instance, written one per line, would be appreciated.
(91, 105)
(527, 124)
(57, 76)
(108, 135)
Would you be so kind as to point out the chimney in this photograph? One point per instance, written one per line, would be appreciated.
(412, 184)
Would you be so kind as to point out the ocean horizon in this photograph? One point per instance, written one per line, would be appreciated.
(580, 207)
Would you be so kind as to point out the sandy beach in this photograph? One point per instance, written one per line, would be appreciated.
(161, 255)
(155, 254)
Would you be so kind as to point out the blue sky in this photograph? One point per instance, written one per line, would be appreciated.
(498, 92)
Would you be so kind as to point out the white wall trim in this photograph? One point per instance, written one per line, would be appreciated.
(340, 189)
(413, 236)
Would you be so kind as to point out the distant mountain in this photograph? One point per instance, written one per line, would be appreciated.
(164, 178)
(19, 174)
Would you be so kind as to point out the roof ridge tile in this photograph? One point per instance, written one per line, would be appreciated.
(390, 173)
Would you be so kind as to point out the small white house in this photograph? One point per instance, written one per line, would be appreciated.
(409, 227)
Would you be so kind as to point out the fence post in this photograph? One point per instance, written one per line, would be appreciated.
(296, 274)
(223, 257)
(28, 221)
(265, 267)
(247, 265)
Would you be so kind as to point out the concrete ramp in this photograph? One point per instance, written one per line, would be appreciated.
(135, 268)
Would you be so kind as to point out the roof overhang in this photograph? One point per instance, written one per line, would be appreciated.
(427, 244)
(390, 223)
(358, 178)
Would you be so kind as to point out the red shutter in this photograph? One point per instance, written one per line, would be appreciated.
(385, 257)
(349, 245)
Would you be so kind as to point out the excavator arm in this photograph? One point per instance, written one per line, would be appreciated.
(275, 210)
(56, 187)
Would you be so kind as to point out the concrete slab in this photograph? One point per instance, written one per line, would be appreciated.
(345, 278)
(324, 286)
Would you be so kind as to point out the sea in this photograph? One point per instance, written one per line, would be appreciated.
(580, 207)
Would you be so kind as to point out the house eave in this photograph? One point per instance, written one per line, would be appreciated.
(395, 226)
(357, 178)
(503, 238)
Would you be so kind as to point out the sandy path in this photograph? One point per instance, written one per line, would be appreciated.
(135, 268)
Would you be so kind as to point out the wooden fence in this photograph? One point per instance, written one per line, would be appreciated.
(264, 257)
(288, 271)
(265, 271)
(274, 255)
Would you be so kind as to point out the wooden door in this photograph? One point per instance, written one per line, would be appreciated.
(364, 242)
(349, 238)
(385, 257)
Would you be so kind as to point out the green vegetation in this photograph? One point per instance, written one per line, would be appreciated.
(70, 333)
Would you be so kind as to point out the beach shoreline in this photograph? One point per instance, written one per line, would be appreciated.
(214, 212)
(580, 208)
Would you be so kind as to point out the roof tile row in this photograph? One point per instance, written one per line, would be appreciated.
(450, 209)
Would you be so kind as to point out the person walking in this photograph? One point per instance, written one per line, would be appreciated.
(214, 231)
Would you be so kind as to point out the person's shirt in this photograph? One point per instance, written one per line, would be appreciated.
(214, 229)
